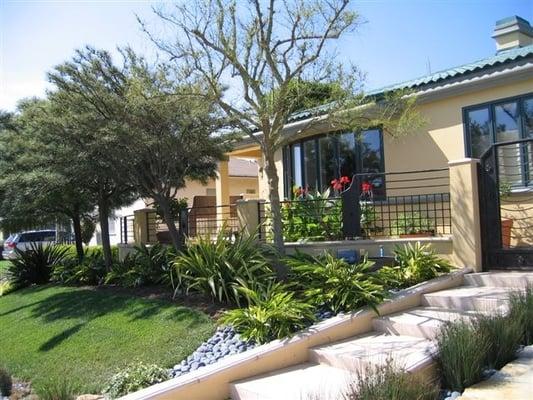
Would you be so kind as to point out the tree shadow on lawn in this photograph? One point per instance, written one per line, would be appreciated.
(59, 338)
(89, 305)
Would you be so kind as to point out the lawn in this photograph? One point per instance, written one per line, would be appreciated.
(3, 267)
(85, 335)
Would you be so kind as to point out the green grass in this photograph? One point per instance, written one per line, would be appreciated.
(86, 335)
(3, 267)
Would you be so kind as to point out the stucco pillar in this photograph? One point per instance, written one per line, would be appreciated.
(464, 204)
(250, 214)
(222, 192)
(144, 228)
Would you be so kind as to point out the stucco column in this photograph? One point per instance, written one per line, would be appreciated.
(251, 213)
(140, 226)
(222, 192)
(464, 204)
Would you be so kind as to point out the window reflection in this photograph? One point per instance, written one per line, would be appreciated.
(313, 163)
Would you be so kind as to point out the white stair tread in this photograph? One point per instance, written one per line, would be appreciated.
(481, 298)
(408, 352)
(511, 279)
(301, 382)
(420, 321)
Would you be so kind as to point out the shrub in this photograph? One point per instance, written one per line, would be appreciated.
(330, 281)
(313, 216)
(521, 310)
(411, 223)
(388, 382)
(60, 389)
(5, 382)
(273, 314)
(34, 265)
(146, 266)
(91, 271)
(462, 352)
(135, 377)
(218, 268)
(414, 264)
(503, 335)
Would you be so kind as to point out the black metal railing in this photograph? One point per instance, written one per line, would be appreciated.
(415, 203)
(205, 221)
(127, 234)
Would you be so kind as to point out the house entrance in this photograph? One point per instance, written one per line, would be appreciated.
(506, 205)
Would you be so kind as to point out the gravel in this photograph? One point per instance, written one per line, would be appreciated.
(225, 342)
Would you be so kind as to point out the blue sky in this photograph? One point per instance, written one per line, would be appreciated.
(399, 41)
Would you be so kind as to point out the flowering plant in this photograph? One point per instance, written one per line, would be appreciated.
(340, 184)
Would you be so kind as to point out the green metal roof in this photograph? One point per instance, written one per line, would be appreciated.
(501, 58)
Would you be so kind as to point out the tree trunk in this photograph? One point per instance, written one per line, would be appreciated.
(275, 208)
(170, 221)
(103, 216)
(76, 222)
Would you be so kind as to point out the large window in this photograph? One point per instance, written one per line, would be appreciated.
(314, 162)
(503, 121)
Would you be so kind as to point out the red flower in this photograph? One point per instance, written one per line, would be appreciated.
(366, 187)
(344, 180)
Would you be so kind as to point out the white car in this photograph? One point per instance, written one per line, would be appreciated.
(23, 240)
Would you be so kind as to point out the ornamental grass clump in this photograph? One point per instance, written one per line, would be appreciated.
(58, 389)
(503, 335)
(461, 355)
(389, 382)
(273, 314)
(521, 310)
(327, 281)
(218, 268)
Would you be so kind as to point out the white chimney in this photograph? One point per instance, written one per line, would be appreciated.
(512, 32)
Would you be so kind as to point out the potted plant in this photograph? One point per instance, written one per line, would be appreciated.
(506, 223)
(412, 224)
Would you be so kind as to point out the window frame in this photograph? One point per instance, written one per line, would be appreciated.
(288, 161)
(521, 124)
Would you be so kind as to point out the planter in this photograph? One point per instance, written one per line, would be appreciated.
(417, 234)
(507, 225)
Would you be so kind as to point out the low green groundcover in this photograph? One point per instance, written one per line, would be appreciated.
(86, 335)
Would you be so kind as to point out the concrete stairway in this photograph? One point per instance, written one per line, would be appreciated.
(406, 338)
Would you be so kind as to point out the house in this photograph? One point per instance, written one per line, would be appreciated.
(468, 110)
(466, 107)
(426, 182)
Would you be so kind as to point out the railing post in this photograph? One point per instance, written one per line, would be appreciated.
(125, 228)
(351, 211)
(184, 222)
(465, 216)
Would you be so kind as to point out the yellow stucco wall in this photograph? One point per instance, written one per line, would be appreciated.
(238, 186)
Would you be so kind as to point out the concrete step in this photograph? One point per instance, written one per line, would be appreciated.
(424, 322)
(301, 382)
(469, 298)
(500, 279)
(413, 354)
